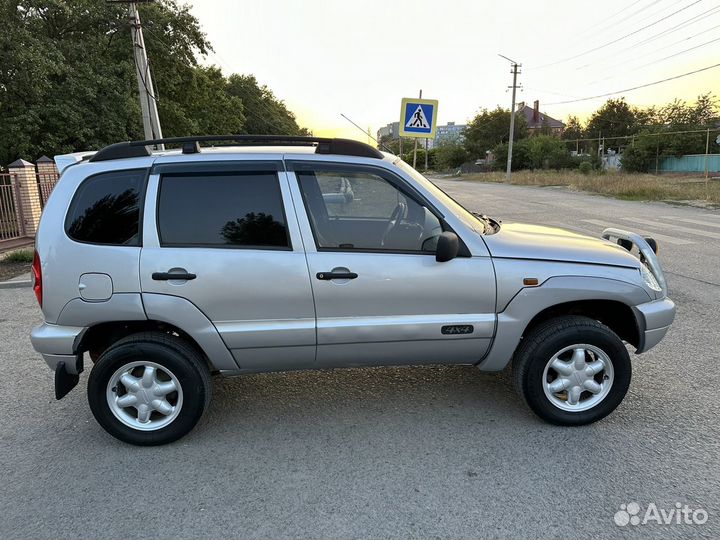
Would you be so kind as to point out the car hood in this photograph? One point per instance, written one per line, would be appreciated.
(523, 241)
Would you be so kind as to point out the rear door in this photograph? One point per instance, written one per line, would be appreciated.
(231, 225)
(380, 296)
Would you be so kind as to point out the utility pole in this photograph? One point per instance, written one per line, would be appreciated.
(426, 154)
(415, 149)
(148, 100)
(707, 152)
(515, 71)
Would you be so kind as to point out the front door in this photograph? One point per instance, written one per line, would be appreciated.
(380, 296)
(230, 225)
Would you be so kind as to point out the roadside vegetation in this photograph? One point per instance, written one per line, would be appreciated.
(19, 256)
(14, 263)
(629, 186)
(68, 79)
(642, 136)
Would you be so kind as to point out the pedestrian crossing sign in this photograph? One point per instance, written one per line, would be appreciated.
(418, 118)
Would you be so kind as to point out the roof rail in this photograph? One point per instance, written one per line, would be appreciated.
(191, 145)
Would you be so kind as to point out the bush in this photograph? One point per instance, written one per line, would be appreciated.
(450, 155)
(521, 158)
(540, 152)
(19, 256)
(408, 158)
(639, 156)
(585, 167)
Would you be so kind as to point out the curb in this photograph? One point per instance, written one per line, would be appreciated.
(15, 284)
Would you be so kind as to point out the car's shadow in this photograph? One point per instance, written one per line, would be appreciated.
(385, 400)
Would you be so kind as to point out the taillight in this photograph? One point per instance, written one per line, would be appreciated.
(37, 277)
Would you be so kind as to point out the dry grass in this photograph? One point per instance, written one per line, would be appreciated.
(18, 256)
(645, 187)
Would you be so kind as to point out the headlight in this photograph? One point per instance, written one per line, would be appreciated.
(649, 278)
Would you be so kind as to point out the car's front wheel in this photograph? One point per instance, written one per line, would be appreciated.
(149, 388)
(572, 370)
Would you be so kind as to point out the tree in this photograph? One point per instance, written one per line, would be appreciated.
(490, 128)
(521, 156)
(67, 79)
(573, 129)
(651, 142)
(408, 157)
(539, 152)
(450, 154)
(388, 144)
(614, 119)
(641, 154)
(265, 113)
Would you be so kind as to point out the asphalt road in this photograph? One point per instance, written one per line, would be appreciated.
(442, 452)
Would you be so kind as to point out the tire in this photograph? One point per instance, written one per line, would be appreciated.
(178, 384)
(536, 381)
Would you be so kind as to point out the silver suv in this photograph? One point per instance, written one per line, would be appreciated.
(288, 253)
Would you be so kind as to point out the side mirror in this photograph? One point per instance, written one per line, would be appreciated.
(447, 247)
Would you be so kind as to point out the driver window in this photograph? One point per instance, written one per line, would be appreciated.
(360, 210)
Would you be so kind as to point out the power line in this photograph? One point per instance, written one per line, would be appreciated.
(692, 20)
(673, 43)
(608, 23)
(635, 87)
(548, 92)
(150, 92)
(620, 38)
(269, 120)
(645, 134)
(608, 20)
(659, 60)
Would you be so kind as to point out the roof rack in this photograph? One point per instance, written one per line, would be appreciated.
(191, 145)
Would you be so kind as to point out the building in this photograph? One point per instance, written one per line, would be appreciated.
(537, 120)
(449, 132)
(391, 131)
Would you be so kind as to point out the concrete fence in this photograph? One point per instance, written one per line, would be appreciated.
(24, 189)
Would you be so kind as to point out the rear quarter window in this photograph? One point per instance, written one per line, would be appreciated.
(106, 209)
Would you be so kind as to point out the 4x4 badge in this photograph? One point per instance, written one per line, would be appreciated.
(457, 329)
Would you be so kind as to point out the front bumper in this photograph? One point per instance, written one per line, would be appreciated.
(58, 344)
(653, 320)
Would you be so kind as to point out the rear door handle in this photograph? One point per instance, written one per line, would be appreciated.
(336, 275)
(167, 276)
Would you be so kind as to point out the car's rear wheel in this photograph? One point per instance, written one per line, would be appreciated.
(149, 388)
(572, 370)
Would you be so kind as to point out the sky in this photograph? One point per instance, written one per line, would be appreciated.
(361, 57)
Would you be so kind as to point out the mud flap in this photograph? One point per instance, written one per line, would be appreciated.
(64, 381)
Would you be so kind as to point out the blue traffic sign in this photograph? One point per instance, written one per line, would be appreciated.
(418, 117)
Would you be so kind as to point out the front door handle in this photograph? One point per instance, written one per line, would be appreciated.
(167, 276)
(336, 275)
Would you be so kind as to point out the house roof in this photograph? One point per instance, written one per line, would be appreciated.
(529, 112)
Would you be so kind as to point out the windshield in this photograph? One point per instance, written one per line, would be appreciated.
(471, 219)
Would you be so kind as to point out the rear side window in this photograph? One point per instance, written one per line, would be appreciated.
(106, 209)
(239, 209)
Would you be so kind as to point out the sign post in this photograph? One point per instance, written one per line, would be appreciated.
(418, 119)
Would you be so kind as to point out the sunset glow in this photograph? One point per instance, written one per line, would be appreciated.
(326, 57)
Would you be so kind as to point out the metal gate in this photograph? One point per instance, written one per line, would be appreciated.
(46, 182)
(10, 210)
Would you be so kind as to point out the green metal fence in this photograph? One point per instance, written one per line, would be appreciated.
(690, 163)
